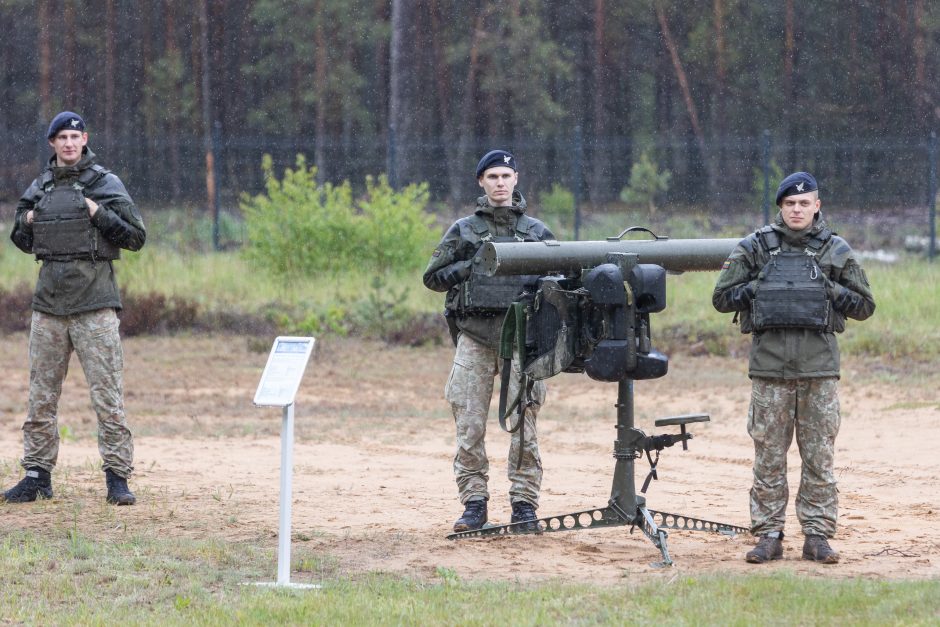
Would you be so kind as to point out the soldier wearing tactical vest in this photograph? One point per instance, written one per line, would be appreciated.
(475, 306)
(75, 217)
(792, 285)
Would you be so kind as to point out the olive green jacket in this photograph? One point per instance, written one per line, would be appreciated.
(80, 285)
(795, 353)
(451, 261)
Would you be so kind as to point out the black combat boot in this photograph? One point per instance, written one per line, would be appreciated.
(817, 549)
(524, 512)
(769, 547)
(474, 516)
(118, 492)
(36, 483)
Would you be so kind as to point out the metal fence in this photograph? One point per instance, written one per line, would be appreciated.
(873, 174)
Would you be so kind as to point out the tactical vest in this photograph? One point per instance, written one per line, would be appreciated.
(62, 229)
(487, 296)
(792, 290)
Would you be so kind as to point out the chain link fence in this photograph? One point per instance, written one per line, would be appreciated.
(893, 177)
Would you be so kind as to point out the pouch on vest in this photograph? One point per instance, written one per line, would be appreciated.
(791, 294)
(491, 295)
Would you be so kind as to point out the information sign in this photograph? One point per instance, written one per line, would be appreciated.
(284, 370)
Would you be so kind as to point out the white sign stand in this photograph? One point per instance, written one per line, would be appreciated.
(277, 388)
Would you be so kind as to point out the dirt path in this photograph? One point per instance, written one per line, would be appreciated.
(373, 489)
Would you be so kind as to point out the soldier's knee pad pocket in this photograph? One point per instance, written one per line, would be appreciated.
(757, 414)
(455, 391)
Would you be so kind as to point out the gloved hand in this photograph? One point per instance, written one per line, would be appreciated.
(752, 288)
(842, 297)
(743, 294)
(455, 272)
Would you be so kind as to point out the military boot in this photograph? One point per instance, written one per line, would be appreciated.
(474, 516)
(36, 483)
(118, 492)
(817, 549)
(524, 512)
(769, 547)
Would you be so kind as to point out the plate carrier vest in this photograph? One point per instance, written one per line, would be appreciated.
(487, 296)
(792, 292)
(62, 229)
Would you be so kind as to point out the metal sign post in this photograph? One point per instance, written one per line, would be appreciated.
(277, 388)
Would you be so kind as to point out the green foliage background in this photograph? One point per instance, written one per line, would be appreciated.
(647, 183)
(300, 227)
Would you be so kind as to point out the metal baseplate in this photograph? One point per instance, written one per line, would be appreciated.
(651, 522)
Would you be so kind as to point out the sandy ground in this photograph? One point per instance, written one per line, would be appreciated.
(373, 487)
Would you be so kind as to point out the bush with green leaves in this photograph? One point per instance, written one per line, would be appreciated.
(647, 184)
(299, 226)
(556, 208)
(395, 230)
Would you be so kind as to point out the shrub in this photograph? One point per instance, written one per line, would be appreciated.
(556, 208)
(397, 233)
(15, 309)
(301, 227)
(646, 184)
(154, 313)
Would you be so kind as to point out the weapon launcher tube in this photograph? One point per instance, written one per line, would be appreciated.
(550, 256)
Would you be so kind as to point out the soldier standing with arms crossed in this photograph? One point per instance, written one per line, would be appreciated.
(75, 217)
(792, 285)
(499, 215)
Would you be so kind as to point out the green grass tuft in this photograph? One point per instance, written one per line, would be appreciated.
(51, 579)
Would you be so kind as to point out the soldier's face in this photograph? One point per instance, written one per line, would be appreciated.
(498, 184)
(68, 146)
(799, 210)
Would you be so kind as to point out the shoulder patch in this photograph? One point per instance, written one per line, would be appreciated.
(436, 253)
(726, 264)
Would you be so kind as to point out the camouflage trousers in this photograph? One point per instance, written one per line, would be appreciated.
(810, 408)
(469, 391)
(94, 338)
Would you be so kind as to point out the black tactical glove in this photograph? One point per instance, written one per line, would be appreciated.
(742, 295)
(455, 273)
(843, 299)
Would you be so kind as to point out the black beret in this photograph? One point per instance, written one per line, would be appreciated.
(495, 158)
(796, 183)
(65, 120)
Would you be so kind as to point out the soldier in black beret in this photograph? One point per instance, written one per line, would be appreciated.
(75, 217)
(792, 285)
(65, 121)
(796, 184)
(475, 315)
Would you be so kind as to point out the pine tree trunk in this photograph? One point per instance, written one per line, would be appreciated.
(403, 98)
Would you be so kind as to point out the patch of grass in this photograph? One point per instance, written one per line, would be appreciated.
(399, 309)
(904, 325)
(913, 405)
(70, 578)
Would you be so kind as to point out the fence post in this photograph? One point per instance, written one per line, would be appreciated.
(216, 140)
(765, 165)
(390, 158)
(932, 200)
(42, 144)
(578, 156)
